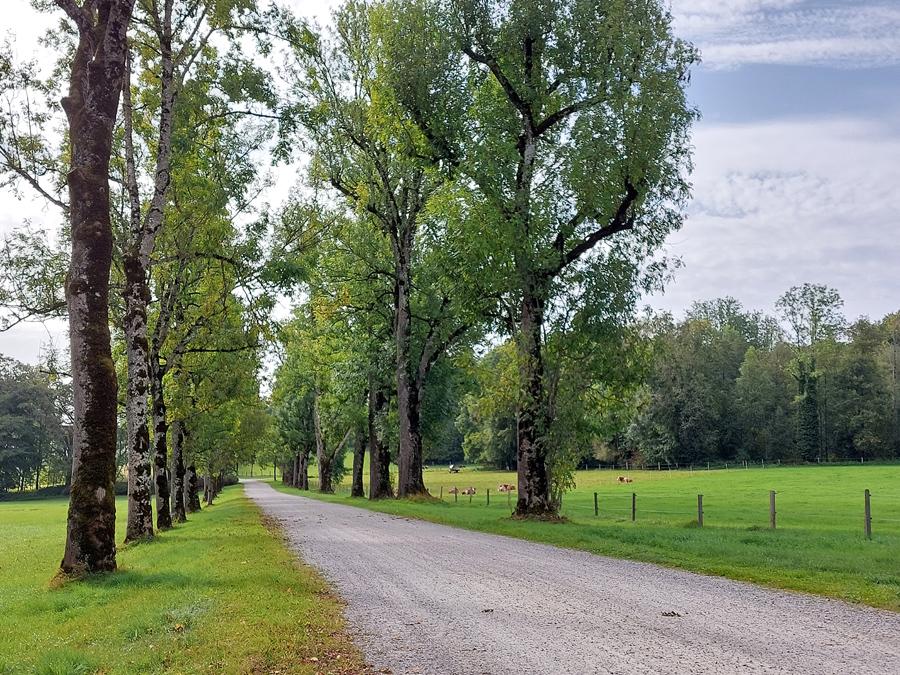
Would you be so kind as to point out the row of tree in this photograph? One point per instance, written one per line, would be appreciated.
(156, 190)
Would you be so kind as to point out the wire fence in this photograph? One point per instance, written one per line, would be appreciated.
(751, 509)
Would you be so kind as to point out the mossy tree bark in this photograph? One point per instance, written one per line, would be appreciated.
(92, 101)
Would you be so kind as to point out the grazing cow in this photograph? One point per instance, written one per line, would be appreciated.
(453, 491)
(506, 487)
(625, 479)
(469, 491)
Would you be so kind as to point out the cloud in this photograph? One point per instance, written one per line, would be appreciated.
(782, 203)
(796, 32)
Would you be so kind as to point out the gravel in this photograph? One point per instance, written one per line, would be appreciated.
(430, 599)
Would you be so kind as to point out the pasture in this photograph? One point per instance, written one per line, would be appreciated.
(818, 546)
(219, 594)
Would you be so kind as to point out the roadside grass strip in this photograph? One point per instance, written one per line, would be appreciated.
(218, 594)
(818, 546)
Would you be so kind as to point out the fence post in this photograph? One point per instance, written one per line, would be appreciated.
(470, 498)
(868, 518)
(489, 496)
(700, 509)
(442, 493)
(772, 509)
(456, 496)
(596, 508)
(633, 505)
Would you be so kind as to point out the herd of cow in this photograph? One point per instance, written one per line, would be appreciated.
(504, 487)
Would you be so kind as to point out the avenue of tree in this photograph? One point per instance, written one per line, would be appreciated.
(482, 191)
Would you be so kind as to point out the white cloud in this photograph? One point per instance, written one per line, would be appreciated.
(794, 32)
(779, 204)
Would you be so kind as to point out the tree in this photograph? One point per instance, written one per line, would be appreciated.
(95, 84)
(569, 124)
(812, 312)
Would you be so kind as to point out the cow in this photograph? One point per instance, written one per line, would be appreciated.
(625, 479)
(506, 487)
(453, 491)
(469, 491)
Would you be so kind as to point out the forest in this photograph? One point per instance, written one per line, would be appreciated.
(480, 195)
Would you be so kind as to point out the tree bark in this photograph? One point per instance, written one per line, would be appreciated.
(379, 453)
(323, 459)
(359, 456)
(192, 502)
(90, 106)
(533, 476)
(304, 469)
(410, 481)
(179, 508)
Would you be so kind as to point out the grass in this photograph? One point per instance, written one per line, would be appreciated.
(819, 545)
(219, 594)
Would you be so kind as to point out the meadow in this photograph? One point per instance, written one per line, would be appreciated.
(218, 594)
(819, 544)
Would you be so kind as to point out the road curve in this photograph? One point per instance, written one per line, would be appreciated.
(430, 599)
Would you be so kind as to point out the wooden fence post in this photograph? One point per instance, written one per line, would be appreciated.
(633, 505)
(489, 496)
(442, 493)
(596, 508)
(868, 518)
(772, 509)
(700, 509)
(456, 496)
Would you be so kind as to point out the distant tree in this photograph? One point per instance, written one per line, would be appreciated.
(812, 313)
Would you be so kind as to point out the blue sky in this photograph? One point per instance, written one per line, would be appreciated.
(797, 154)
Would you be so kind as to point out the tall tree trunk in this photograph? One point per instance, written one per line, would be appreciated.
(533, 476)
(359, 456)
(295, 474)
(160, 447)
(179, 510)
(379, 453)
(409, 475)
(323, 458)
(95, 84)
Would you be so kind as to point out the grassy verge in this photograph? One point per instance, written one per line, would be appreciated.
(219, 594)
(818, 547)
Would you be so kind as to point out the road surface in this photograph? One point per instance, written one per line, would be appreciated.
(435, 600)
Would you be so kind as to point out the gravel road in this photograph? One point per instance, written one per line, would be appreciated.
(431, 599)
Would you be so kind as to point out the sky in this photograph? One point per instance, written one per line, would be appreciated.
(796, 154)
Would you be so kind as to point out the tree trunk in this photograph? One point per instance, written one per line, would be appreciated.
(323, 459)
(192, 502)
(304, 470)
(137, 296)
(359, 456)
(179, 510)
(95, 84)
(379, 453)
(410, 481)
(160, 448)
(533, 477)
(295, 475)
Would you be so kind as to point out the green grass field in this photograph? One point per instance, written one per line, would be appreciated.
(819, 545)
(219, 594)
